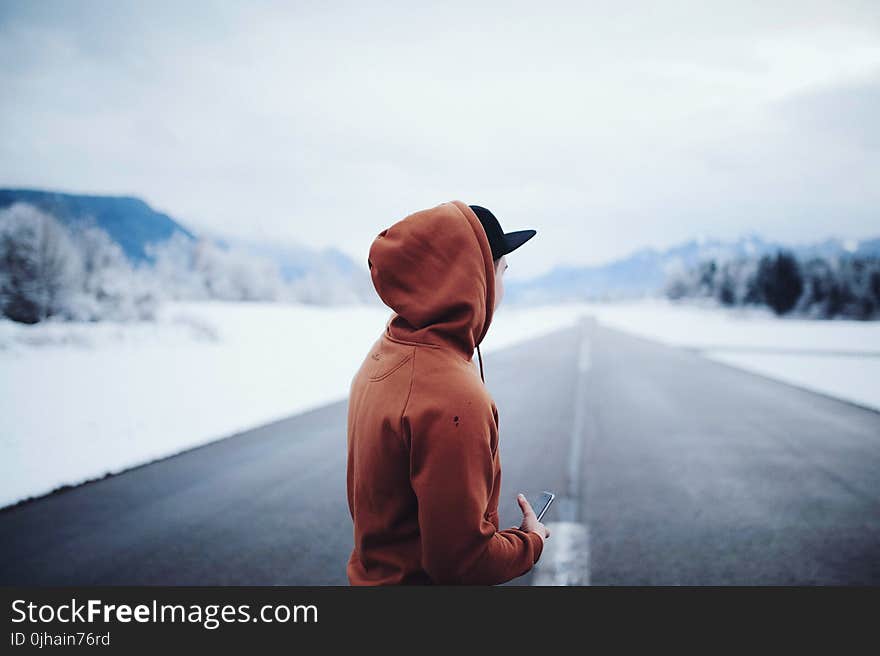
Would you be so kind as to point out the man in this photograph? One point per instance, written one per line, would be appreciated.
(424, 472)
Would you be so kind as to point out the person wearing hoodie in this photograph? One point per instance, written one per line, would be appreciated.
(424, 469)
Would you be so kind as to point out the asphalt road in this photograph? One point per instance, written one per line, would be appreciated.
(681, 470)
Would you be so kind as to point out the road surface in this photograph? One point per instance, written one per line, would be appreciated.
(671, 469)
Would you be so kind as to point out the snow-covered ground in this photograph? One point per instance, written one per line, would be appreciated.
(839, 358)
(81, 400)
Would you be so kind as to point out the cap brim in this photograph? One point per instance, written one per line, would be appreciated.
(513, 240)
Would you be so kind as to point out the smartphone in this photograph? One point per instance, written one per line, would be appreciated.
(542, 503)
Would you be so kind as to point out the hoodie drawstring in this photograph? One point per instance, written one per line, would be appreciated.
(480, 356)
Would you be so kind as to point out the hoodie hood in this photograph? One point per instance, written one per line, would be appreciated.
(434, 268)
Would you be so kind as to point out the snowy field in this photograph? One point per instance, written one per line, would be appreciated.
(80, 400)
(838, 357)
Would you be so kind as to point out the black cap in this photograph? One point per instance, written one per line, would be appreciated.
(502, 243)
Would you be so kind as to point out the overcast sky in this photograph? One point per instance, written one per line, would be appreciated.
(605, 129)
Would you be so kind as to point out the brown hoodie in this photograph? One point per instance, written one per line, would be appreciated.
(424, 471)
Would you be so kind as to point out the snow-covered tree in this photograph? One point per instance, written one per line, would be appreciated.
(173, 267)
(41, 267)
(844, 286)
(235, 275)
(858, 287)
(203, 269)
(113, 288)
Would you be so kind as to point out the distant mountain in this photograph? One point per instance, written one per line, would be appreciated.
(644, 272)
(317, 276)
(129, 221)
(330, 276)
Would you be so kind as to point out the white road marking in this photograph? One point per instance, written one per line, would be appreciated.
(565, 559)
(573, 484)
(566, 556)
(585, 360)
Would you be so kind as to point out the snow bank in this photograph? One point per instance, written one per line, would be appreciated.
(78, 401)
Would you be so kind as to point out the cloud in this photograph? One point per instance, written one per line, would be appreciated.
(606, 129)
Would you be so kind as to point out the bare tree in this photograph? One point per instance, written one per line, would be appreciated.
(41, 266)
(199, 269)
(112, 288)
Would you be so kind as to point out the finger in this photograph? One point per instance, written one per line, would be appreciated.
(524, 504)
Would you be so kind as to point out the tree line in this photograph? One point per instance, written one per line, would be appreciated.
(78, 272)
(846, 286)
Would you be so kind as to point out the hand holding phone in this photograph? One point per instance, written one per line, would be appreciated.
(531, 522)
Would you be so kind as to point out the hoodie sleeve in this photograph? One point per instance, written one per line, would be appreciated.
(452, 470)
